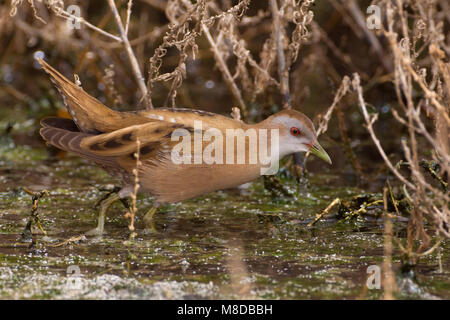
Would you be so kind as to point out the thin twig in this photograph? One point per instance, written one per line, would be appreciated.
(369, 122)
(64, 14)
(127, 23)
(225, 71)
(282, 69)
(131, 214)
(81, 237)
(324, 212)
(134, 63)
(394, 202)
(341, 92)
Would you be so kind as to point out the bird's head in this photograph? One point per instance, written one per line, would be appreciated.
(297, 134)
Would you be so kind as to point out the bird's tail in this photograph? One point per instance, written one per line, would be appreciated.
(87, 112)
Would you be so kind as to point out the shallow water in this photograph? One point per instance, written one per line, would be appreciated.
(233, 244)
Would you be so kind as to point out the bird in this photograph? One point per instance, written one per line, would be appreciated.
(143, 143)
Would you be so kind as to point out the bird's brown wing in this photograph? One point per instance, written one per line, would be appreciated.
(64, 134)
(154, 140)
(124, 142)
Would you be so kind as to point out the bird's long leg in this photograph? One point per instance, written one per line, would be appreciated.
(148, 218)
(125, 203)
(115, 189)
(104, 206)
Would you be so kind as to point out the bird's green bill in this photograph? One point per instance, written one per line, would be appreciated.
(320, 152)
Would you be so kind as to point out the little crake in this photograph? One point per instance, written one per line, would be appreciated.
(111, 138)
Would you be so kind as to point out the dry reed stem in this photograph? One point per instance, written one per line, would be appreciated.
(369, 122)
(134, 63)
(340, 93)
(59, 11)
(127, 22)
(324, 120)
(81, 237)
(334, 203)
(283, 73)
(133, 195)
(225, 72)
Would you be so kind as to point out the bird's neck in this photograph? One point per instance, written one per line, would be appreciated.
(274, 133)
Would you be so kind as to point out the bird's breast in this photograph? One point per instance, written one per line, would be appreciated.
(173, 183)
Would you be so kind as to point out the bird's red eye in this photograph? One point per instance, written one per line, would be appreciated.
(295, 131)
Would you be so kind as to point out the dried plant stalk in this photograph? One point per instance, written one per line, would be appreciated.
(131, 214)
(224, 69)
(134, 63)
(282, 68)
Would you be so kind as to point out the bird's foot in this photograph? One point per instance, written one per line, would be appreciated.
(150, 229)
(148, 220)
(104, 205)
(96, 232)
